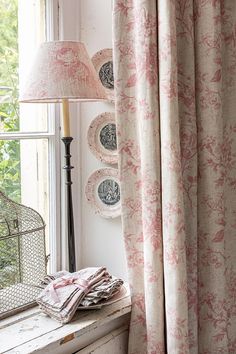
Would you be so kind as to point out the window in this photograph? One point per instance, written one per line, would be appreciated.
(28, 135)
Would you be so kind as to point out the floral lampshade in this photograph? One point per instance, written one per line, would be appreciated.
(62, 70)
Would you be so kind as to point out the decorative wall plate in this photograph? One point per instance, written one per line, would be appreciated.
(102, 138)
(103, 63)
(103, 192)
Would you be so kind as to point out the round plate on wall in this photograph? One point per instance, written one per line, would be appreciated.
(102, 138)
(103, 192)
(103, 63)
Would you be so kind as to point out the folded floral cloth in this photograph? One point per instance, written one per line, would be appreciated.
(62, 296)
(50, 277)
(99, 293)
(102, 292)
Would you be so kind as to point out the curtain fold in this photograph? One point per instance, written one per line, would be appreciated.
(175, 70)
(140, 177)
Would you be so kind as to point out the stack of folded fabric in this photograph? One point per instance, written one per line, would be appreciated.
(65, 291)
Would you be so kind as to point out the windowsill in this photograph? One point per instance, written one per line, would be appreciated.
(33, 332)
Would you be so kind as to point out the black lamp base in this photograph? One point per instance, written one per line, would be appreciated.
(70, 218)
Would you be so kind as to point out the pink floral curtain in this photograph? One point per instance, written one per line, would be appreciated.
(175, 69)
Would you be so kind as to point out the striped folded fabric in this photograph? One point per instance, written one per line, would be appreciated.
(102, 292)
(65, 291)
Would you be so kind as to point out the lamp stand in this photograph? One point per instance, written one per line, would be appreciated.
(70, 218)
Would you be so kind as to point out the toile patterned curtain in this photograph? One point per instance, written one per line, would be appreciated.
(175, 70)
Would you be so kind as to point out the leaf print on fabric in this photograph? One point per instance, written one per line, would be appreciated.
(132, 80)
(219, 236)
(217, 76)
(175, 69)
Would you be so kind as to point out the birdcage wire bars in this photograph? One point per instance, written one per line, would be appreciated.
(22, 256)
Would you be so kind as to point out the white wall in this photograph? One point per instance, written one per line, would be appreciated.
(101, 240)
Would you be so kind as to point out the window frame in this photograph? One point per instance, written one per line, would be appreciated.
(54, 154)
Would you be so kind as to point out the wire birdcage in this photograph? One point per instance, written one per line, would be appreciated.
(22, 256)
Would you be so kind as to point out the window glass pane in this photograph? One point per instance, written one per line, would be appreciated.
(22, 29)
(10, 169)
(24, 174)
(9, 108)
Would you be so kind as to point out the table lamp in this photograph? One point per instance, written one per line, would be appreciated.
(63, 72)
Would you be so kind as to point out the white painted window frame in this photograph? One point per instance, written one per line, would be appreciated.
(54, 160)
